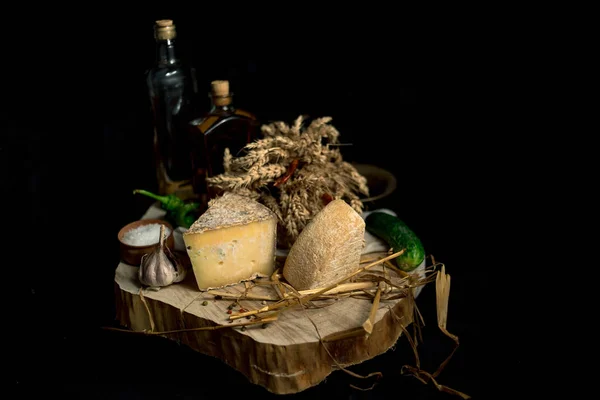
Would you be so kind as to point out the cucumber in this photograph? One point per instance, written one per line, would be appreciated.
(398, 236)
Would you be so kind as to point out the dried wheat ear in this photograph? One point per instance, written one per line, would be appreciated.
(294, 170)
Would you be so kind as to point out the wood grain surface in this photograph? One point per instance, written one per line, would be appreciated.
(297, 351)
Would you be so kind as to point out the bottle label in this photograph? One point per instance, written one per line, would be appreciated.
(205, 125)
(244, 114)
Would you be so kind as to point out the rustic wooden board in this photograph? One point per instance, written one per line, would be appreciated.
(289, 355)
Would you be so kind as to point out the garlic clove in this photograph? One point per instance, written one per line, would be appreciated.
(178, 267)
(156, 270)
(160, 267)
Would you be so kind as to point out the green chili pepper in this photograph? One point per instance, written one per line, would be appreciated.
(183, 213)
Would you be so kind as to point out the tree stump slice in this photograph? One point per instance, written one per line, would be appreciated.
(287, 356)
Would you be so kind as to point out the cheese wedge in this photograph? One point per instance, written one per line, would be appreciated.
(327, 249)
(233, 240)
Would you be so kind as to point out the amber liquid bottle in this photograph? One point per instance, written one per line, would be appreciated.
(223, 126)
(174, 103)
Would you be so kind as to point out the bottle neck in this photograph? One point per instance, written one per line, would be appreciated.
(221, 103)
(165, 52)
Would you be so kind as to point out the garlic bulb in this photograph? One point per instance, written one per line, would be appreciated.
(160, 267)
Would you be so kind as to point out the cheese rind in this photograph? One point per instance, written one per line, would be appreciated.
(234, 240)
(327, 249)
(229, 210)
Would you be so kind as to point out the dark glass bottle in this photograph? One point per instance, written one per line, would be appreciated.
(223, 126)
(172, 92)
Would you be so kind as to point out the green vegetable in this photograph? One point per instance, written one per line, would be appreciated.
(181, 212)
(398, 236)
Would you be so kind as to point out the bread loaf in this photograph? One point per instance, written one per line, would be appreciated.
(327, 249)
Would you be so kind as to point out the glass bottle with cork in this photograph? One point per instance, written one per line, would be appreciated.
(173, 95)
(223, 126)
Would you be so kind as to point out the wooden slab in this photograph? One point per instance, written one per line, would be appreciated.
(286, 356)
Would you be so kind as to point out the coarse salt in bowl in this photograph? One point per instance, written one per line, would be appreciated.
(140, 237)
(144, 235)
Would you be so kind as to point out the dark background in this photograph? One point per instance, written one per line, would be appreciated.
(76, 139)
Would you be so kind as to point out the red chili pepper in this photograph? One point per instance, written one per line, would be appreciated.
(327, 198)
(283, 179)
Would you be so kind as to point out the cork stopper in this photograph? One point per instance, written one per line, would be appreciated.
(164, 22)
(164, 29)
(220, 92)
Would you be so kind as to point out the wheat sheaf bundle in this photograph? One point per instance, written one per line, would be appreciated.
(294, 170)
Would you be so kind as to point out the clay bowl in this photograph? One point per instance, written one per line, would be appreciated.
(381, 182)
(141, 232)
